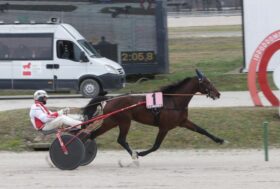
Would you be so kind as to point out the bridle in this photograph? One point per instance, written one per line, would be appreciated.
(207, 88)
(202, 86)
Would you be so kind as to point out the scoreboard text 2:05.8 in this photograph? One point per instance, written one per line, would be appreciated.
(130, 57)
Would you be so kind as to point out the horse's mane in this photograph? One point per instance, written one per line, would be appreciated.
(174, 86)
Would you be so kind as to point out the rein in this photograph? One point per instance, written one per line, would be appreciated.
(131, 94)
(182, 95)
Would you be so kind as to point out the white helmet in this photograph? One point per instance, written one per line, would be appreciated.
(40, 94)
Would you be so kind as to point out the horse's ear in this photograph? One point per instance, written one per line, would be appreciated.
(199, 74)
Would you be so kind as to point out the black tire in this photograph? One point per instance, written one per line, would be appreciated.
(90, 153)
(76, 152)
(90, 88)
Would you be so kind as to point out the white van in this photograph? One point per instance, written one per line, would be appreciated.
(54, 56)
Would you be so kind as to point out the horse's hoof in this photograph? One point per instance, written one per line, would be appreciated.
(226, 142)
(136, 163)
(223, 142)
(220, 141)
(134, 155)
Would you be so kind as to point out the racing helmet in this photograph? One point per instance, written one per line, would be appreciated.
(40, 96)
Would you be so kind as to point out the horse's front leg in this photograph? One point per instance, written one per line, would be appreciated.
(190, 125)
(160, 136)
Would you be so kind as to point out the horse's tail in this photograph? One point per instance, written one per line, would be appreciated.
(91, 108)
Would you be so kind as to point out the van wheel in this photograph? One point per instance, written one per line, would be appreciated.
(90, 88)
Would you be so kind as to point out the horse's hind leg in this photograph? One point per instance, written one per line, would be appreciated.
(124, 128)
(161, 135)
(190, 125)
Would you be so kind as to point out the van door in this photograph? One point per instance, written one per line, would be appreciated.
(70, 68)
(6, 74)
(32, 56)
(5, 64)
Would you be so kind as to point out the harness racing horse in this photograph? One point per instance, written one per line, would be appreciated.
(174, 112)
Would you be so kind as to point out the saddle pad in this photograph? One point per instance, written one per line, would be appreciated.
(154, 100)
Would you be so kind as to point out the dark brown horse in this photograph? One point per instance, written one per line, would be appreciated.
(173, 113)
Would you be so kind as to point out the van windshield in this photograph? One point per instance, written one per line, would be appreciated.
(89, 48)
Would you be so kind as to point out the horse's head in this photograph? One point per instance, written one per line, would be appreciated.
(206, 87)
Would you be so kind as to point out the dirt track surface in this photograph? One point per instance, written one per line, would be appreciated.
(201, 169)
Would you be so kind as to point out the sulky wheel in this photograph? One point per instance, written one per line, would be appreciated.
(76, 152)
(90, 152)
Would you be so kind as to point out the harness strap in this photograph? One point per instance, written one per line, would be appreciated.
(156, 112)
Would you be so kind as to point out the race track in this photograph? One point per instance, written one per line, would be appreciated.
(209, 169)
(180, 169)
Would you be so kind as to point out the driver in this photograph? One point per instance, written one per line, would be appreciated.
(44, 119)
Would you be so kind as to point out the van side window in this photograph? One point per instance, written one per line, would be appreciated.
(23, 52)
(68, 50)
(4, 51)
(26, 46)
